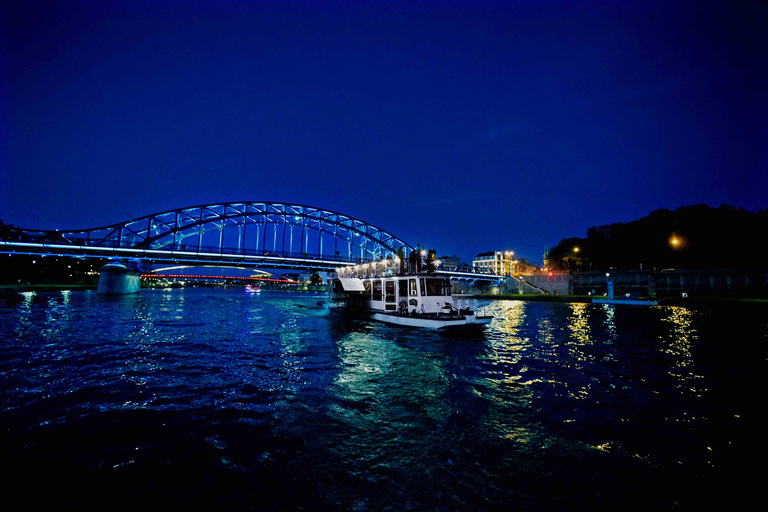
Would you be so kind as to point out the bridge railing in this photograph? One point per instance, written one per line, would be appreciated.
(47, 238)
(465, 269)
(49, 245)
(181, 250)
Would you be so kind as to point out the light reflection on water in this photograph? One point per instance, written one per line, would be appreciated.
(578, 398)
(579, 322)
(682, 335)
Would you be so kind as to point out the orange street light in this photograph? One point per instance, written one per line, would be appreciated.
(676, 242)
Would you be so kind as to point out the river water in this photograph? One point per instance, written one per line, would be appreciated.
(215, 399)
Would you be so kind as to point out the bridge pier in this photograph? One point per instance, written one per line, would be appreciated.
(118, 279)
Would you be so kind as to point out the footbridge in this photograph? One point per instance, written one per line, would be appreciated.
(246, 234)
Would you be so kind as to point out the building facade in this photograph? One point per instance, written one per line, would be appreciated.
(503, 263)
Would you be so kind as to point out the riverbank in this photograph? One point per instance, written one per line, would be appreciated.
(683, 302)
(72, 287)
(45, 287)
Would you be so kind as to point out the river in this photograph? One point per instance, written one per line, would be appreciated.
(216, 399)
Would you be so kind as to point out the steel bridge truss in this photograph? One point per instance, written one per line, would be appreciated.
(247, 229)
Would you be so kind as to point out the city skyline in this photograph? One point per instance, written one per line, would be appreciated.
(461, 127)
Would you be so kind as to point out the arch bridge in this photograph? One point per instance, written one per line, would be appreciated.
(257, 234)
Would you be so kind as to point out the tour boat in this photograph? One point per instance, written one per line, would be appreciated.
(250, 288)
(418, 299)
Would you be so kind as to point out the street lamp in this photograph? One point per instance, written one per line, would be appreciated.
(574, 262)
(676, 242)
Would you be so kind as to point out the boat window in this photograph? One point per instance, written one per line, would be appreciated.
(413, 291)
(376, 290)
(402, 288)
(437, 287)
(367, 286)
(389, 288)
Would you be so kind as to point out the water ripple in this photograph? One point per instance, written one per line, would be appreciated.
(211, 397)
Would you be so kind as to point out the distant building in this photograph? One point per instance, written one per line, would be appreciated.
(451, 261)
(503, 263)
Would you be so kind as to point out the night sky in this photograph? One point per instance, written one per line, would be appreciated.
(465, 126)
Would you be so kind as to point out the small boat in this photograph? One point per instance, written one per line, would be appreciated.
(420, 299)
(249, 288)
(628, 299)
(630, 302)
(120, 277)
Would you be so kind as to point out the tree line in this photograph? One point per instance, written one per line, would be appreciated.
(6, 230)
(690, 237)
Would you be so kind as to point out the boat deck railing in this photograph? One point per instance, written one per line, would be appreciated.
(391, 267)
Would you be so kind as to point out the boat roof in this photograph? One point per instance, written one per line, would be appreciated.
(351, 284)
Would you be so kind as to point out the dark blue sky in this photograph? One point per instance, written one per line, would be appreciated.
(466, 126)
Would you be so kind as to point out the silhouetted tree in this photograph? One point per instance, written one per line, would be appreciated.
(696, 236)
(8, 231)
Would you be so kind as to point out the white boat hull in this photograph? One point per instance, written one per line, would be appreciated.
(420, 300)
(431, 322)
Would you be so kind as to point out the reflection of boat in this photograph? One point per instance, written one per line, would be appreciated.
(413, 300)
(250, 288)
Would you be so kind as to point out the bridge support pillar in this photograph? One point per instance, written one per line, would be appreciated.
(118, 279)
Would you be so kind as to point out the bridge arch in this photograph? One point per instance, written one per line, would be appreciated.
(273, 229)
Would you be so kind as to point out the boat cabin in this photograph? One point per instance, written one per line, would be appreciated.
(381, 288)
(408, 294)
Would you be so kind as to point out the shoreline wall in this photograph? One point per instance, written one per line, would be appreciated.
(673, 283)
(555, 284)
